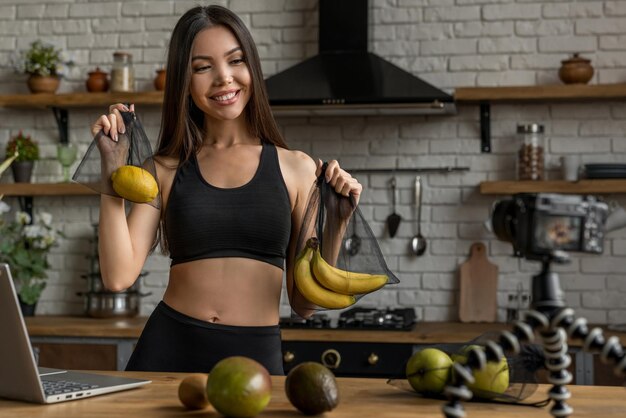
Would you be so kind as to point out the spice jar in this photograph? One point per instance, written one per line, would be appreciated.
(530, 157)
(122, 73)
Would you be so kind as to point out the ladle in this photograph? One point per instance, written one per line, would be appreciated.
(352, 244)
(418, 243)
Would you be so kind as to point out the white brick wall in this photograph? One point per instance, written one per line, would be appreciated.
(450, 43)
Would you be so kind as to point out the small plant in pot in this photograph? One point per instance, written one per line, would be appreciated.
(43, 63)
(27, 153)
(24, 246)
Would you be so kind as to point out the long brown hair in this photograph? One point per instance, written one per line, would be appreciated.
(182, 122)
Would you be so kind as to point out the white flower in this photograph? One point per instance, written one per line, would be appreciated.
(34, 231)
(4, 208)
(22, 217)
(46, 218)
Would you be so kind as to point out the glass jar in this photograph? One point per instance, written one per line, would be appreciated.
(530, 157)
(122, 73)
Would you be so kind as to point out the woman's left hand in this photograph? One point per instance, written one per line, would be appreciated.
(340, 180)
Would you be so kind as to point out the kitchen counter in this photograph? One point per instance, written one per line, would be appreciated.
(359, 397)
(424, 332)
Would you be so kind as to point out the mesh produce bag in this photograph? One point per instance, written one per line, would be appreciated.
(130, 158)
(513, 380)
(334, 273)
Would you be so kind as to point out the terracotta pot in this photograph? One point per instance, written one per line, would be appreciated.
(22, 171)
(159, 80)
(97, 81)
(576, 70)
(43, 84)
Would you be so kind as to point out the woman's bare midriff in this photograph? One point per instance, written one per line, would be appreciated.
(230, 291)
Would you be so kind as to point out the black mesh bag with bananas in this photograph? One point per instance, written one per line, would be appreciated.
(338, 259)
(123, 168)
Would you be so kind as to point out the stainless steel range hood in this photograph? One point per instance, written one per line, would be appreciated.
(346, 79)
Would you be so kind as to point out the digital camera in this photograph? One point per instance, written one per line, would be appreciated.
(540, 224)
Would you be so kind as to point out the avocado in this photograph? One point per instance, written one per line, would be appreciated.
(312, 388)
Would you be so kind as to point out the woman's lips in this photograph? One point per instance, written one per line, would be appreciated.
(227, 98)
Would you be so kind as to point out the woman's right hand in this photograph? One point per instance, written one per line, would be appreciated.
(112, 124)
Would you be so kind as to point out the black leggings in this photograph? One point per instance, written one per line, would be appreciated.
(174, 342)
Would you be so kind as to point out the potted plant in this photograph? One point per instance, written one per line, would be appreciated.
(27, 153)
(24, 246)
(43, 63)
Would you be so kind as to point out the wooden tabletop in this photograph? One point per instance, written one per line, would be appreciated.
(423, 333)
(359, 397)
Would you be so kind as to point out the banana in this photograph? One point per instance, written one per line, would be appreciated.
(311, 290)
(343, 281)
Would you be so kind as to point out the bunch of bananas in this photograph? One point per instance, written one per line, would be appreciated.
(327, 286)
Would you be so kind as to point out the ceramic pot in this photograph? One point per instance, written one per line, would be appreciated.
(576, 70)
(27, 309)
(97, 81)
(43, 84)
(159, 80)
(22, 171)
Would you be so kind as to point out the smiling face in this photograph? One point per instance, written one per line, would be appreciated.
(221, 83)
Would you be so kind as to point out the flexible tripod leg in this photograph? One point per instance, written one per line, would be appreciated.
(553, 331)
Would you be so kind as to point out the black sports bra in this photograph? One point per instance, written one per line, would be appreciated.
(250, 221)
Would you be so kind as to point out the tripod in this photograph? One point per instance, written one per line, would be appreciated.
(554, 322)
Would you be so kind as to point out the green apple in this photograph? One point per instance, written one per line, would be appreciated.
(490, 381)
(428, 370)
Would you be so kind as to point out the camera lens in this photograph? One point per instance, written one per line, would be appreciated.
(503, 221)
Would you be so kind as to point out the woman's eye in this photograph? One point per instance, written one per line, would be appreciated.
(237, 61)
(204, 68)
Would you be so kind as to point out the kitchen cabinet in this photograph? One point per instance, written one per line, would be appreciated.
(391, 349)
(64, 354)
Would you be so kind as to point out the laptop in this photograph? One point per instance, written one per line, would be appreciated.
(21, 379)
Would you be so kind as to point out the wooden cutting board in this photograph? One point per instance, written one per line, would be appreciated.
(478, 287)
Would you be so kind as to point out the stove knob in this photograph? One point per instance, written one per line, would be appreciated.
(373, 359)
(288, 357)
(331, 358)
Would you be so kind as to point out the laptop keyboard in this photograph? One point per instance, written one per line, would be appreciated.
(55, 387)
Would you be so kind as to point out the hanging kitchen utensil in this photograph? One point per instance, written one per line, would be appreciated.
(418, 243)
(478, 284)
(352, 244)
(393, 220)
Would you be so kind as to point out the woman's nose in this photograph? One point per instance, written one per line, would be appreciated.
(223, 76)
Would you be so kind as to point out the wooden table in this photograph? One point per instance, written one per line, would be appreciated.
(358, 398)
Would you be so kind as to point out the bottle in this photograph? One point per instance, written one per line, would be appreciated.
(530, 157)
(122, 73)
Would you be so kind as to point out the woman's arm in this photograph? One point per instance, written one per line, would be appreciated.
(123, 243)
(301, 172)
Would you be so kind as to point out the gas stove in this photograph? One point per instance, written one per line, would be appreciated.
(402, 319)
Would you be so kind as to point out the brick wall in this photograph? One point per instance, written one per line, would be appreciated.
(450, 43)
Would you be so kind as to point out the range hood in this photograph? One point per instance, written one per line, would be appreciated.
(345, 79)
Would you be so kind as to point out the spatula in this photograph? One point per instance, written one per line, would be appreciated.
(393, 220)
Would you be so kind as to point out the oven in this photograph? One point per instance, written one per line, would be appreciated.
(353, 359)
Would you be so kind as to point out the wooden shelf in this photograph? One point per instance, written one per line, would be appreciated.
(571, 92)
(73, 100)
(554, 186)
(45, 189)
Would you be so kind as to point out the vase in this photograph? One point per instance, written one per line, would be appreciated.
(159, 80)
(27, 309)
(43, 84)
(22, 171)
(576, 70)
(97, 81)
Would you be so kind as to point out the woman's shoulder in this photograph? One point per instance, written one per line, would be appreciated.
(298, 170)
(297, 161)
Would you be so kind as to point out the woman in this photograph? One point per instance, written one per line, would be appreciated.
(233, 198)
